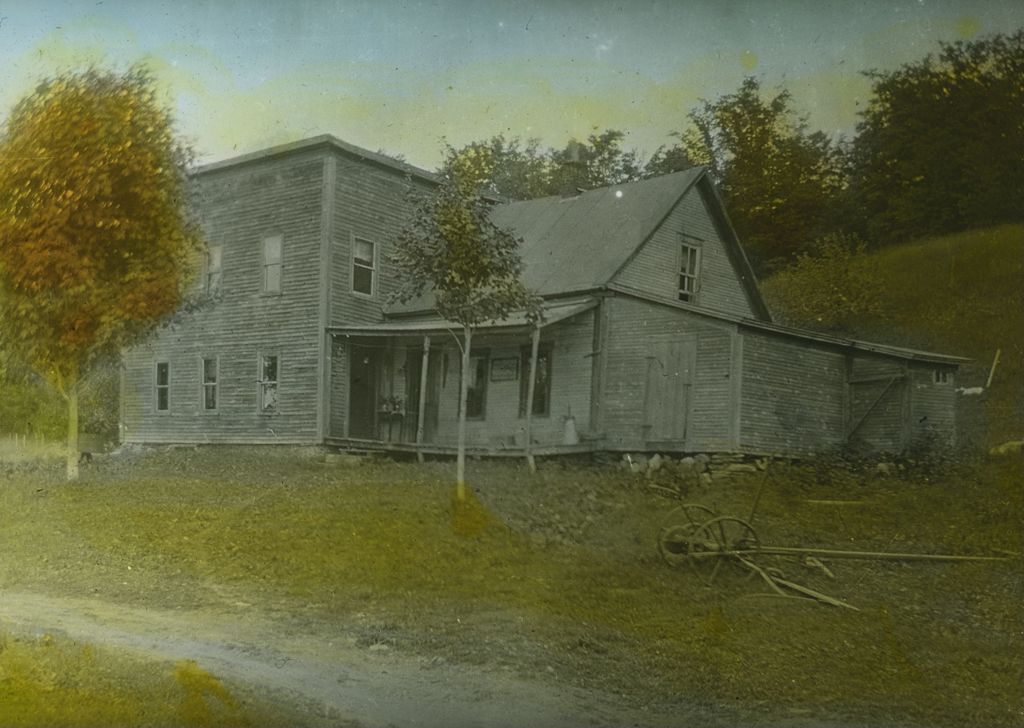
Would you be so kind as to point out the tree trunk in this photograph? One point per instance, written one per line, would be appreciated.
(72, 453)
(460, 458)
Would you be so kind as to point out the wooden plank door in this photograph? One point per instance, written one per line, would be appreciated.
(364, 364)
(670, 370)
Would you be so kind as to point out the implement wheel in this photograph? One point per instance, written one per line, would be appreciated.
(714, 542)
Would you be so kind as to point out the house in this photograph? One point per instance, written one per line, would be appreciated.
(654, 336)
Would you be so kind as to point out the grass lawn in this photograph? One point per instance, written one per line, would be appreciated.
(555, 575)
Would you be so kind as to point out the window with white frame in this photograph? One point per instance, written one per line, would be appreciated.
(476, 394)
(162, 386)
(214, 267)
(210, 376)
(689, 272)
(363, 266)
(268, 382)
(941, 376)
(272, 264)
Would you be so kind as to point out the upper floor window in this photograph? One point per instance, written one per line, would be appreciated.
(363, 260)
(541, 385)
(210, 383)
(689, 272)
(162, 388)
(272, 264)
(214, 259)
(941, 376)
(268, 383)
(476, 395)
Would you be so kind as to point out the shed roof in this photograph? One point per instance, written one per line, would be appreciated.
(553, 312)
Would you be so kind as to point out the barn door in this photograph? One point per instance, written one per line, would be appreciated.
(669, 376)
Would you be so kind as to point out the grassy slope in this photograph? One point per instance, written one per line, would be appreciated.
(962, 294)
(933, 645)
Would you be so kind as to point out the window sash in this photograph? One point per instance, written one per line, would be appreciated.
(476, 392)
(162, 386)
(210, 381)
(363, 265)
(272, 265)
(269, 372)
(214, 267)
(689, 270)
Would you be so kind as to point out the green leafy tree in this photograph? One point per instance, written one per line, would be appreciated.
(832, 287)
(940, 147)
(518, 170)
(96, 245)
(781, 183)
(472, 266)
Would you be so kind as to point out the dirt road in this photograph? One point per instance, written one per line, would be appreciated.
(322, 673)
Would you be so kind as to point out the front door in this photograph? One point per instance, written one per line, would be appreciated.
(670, 370)
(362, 417)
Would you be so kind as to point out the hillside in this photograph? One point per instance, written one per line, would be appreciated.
(960, 294)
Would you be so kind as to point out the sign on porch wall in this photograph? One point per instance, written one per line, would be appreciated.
(504, 370)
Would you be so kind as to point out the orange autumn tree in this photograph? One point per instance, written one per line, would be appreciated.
(96, 242)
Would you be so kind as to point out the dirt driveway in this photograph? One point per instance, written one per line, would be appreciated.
(325, 674)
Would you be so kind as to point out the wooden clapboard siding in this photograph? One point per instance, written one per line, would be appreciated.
(373, 203)
(654, 269)
(571, 368)
(633, 327)
(879, 403)
(932, 406)
(792, 395)
(239, 206)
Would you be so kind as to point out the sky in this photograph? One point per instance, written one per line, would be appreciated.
(406, 77)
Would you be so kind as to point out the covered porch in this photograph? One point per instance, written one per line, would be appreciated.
(394, 386)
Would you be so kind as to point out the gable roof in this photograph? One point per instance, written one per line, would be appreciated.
(327, 141)
(576, 244)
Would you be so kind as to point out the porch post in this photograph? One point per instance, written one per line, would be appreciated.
(420, 412)
(530, 386)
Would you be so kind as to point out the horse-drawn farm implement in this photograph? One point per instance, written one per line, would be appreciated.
(708, 543)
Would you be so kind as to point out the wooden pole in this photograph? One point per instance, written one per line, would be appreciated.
(530, 390)
(992, 371)
(460, 457)
(421, 411)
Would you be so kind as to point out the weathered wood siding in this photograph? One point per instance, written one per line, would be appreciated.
(654, 270)
(792, 394)
(370, 202)
(879, 403)
(502, 426)
(239, 206)
(633, 328)
(932, 406)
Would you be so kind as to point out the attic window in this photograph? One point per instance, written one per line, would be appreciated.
(940, 376)
(689, 272)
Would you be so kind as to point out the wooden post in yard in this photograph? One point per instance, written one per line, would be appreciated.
(530, 385)
(420, 412)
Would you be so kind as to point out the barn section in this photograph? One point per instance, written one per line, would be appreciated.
(674, 378)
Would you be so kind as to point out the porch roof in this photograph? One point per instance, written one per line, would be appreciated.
(554, 311)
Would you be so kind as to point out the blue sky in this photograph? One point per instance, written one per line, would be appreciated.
(402, 76)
